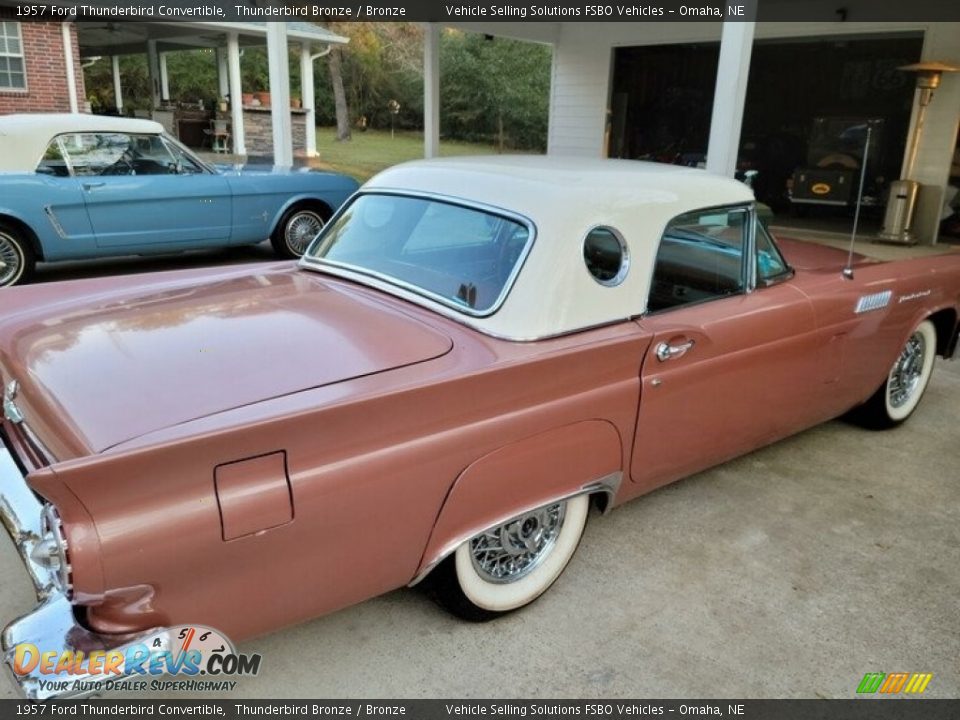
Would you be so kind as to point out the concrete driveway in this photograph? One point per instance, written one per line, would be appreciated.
(787, 573)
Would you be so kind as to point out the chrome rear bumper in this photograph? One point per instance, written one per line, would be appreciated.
(51, 626)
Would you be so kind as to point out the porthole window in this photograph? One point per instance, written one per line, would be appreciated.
(605, 255)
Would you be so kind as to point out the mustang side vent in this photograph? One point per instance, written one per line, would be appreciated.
(254, 495)
(875, 301)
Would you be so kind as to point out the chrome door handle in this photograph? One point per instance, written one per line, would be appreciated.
(91, 186)
(665, 351)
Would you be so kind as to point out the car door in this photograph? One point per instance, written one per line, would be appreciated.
(733, 364)
(140, 196)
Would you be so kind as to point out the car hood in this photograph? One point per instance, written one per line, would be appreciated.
(130, 362)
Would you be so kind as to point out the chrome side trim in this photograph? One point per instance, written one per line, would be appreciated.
(874, 301)
(52, 217)
(608, 485)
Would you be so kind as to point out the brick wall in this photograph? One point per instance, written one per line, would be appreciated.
(46, 70)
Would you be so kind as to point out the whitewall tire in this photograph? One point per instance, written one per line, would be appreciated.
(511, 565)
(900, 394)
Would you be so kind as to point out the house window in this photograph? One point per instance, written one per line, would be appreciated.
(12, 72)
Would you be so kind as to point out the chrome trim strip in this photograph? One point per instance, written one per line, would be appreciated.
(609, 485)
(52, 217)
(874, 301)
(353, 272)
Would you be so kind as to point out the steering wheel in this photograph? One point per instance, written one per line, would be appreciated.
(123, 165)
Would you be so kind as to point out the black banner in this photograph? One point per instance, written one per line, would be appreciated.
(864, 709)
(453, 11)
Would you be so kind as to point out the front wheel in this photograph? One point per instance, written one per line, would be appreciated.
(898, 396)
(16, 257)
(511, 565)
(297, 230)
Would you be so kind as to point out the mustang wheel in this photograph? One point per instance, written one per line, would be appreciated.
(297, 230)
(16, 257)
(900, 393)
(511, 565)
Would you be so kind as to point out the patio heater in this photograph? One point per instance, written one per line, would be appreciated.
(898, 218)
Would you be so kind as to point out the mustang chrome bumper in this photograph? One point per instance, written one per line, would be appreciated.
(51, 626)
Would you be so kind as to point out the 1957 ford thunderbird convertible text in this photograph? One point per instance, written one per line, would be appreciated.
(469, 355)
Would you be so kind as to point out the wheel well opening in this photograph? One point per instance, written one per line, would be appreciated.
(26, 231)
(945, 322)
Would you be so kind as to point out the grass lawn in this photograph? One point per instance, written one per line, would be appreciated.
(370, 152)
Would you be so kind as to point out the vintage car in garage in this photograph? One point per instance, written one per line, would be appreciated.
(471, 353)
(84, 186)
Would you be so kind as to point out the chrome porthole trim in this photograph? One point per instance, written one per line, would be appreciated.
(624, 256)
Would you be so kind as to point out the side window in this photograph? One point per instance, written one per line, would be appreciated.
(13, 74)
(183, 162)
(93, 154)
(770, 263)
(148, 155)
(53, 161)
(700, 258)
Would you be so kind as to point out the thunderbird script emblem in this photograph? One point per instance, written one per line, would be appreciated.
(10, 410)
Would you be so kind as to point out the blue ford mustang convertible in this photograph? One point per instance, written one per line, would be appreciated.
(82, 186)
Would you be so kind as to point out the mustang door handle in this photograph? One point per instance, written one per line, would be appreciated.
(91, 186)
(666, 351)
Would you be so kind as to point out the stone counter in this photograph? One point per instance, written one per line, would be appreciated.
(258, 130)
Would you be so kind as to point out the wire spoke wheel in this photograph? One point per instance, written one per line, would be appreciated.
(301, 229)
(510, 565)
(13, 261)
(907, 371)
(511, 551)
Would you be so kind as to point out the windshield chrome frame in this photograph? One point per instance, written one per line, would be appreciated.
(354, 272)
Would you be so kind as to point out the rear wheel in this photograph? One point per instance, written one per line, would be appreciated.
(297, 230)
(511, 565)
(898, 396)
(17, 260)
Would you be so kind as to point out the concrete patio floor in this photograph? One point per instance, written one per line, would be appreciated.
(790, 572)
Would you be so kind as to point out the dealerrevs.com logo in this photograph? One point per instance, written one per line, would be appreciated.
(197, 657)
(894, 683)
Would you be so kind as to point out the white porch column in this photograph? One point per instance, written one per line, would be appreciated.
(309, 102)
(65, 29)
(277, 56)
(431, 90)
(236, 99)
(117, 86)
(153, 65)
(736, 45)
(223, 80)
(164, 79)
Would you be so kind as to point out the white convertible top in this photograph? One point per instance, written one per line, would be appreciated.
(24, 138)
(565, 198)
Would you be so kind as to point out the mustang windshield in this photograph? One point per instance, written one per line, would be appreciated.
(462, 256)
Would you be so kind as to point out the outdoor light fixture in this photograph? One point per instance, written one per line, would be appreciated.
(898, 218)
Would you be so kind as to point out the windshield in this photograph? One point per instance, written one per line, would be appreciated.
(462, 256)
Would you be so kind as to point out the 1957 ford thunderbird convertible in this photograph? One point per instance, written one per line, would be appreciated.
(82, 186)
(469, 355)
